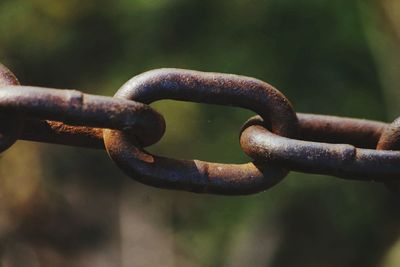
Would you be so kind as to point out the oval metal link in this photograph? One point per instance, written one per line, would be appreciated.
(76, 108)
(10, 125)
(390, 140)
(342, 160)
(195, 175)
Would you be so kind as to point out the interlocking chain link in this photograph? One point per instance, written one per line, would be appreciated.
(279, 140)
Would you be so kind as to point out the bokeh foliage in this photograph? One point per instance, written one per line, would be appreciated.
(327, 57)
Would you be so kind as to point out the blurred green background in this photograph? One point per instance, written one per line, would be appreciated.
(63, 206)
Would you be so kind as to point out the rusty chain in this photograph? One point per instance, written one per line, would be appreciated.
(279, 140)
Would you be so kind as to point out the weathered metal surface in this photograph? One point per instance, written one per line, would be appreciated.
(344, 147)
(341, 160)
(10, 124)
(339, 130)
(60, 133)
(390, 140)
(76, 108)
(202, 87)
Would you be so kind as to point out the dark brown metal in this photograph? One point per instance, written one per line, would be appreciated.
(75, 108)
(10, 126)
(339, 130)
(344, 147)
(390, 140)
(194, 175)
(60, 133)
(342, 160)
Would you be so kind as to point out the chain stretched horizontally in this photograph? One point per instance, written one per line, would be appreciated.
(279, 140)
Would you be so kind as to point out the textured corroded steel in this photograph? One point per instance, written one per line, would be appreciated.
(211, 88)
(70, 117)
(10, 124)
(334, 154)
(390, 140)
(76, 108)
(279, 140)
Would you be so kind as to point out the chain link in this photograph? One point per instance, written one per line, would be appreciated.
(279, 140)
(341, 160)
(202, 87)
